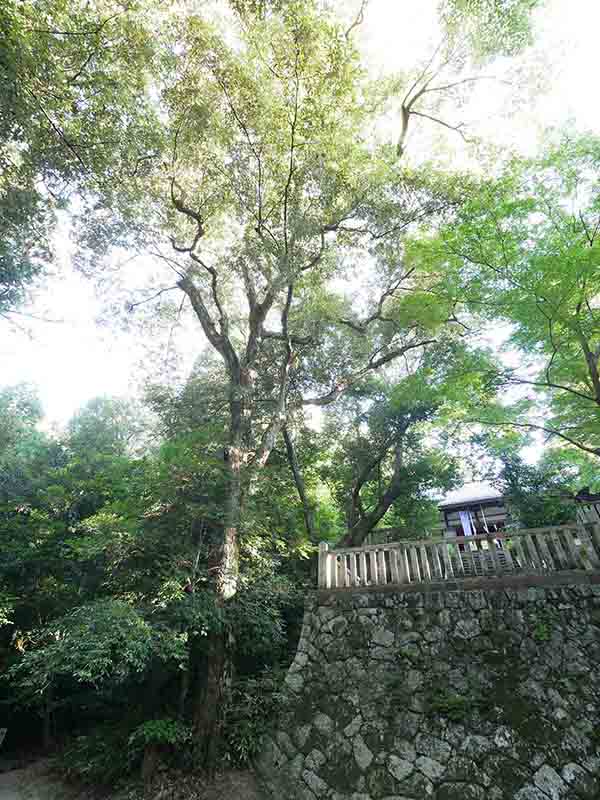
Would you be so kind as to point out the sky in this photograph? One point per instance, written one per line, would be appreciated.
(73, 358)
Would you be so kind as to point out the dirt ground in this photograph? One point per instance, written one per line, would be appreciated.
(230, 786)
(33, 783)
(36, 782)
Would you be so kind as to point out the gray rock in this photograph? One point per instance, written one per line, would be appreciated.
(537, 759)
(461, 791)
(417, 785)
(476, 746)
(295, 767)
(301, 735)
(405, 750)
(430, 768)
(383, 637)
(579, 779)
(530, 793)
(477, 600)
(369, 667)
(433, 747)
(362, 755)
(399, 768)
(407, 723)
(467, 628)
(550, 782)
(323, 724)
(315, 784)
(314, 760)
(417, 703)
(285, 743)
(383, 654)
(304, 793)
(353, 727)
(503, 738)
(414, 680)
(295, 681)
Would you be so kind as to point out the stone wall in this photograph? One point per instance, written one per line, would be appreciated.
(448, 695)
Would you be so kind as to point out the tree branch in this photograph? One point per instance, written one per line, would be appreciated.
(358, 20)
(533, 426)
(361, 327)
(131, 306)
(372, 364)
(551, 385)
(300, 486)
(456, 128)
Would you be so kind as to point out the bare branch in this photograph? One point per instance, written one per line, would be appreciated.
(457, 128)
(297, 340)
(255, 152)
(291, 168)
(358, 20)
(219, 340)
(393, 354)
(361, 327)
(187, 211)
(31, 316)
(372, 364)
(131, 306)
(551, 385)
(90, 32)
(70, 146)
(550, 431)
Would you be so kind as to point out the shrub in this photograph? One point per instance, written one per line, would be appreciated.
(159, 731)
(98, 757)
(248, 714)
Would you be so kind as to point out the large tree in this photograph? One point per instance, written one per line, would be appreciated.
(279, 218)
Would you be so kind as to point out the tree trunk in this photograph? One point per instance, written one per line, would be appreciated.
(47, 734)
(184, 686)
(208, 720)
(309, 519)
(359, 531)
(149, 765)
(223, 564)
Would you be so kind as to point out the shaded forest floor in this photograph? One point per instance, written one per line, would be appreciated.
(37, 782)
(235, 785)
(34, 782)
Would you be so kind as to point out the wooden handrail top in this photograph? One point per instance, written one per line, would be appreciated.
(485, 537)
(532, 551)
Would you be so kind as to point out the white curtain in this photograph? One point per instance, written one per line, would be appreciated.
(465, 521)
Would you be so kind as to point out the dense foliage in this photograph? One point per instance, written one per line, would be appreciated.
(61, 91)
(104, 574)
(155, 554)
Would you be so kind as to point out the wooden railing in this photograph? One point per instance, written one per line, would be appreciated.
(526, 552)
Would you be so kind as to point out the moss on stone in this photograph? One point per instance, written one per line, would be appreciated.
(380, 783)
(449, 704)
(342, 774)
(494, 695)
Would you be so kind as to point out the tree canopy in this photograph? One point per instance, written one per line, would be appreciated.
(524, 250)
(234, 170)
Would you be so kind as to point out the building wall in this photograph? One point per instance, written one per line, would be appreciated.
(456, 695)
(495, 515)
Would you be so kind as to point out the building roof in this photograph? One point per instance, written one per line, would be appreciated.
(470, 493)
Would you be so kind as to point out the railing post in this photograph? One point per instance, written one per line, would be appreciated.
(595, 536)
(324, 577)
(496, 568)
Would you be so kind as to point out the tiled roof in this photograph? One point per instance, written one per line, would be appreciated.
(470, 493)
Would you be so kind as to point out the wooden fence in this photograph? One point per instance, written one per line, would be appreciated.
(526, 552)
